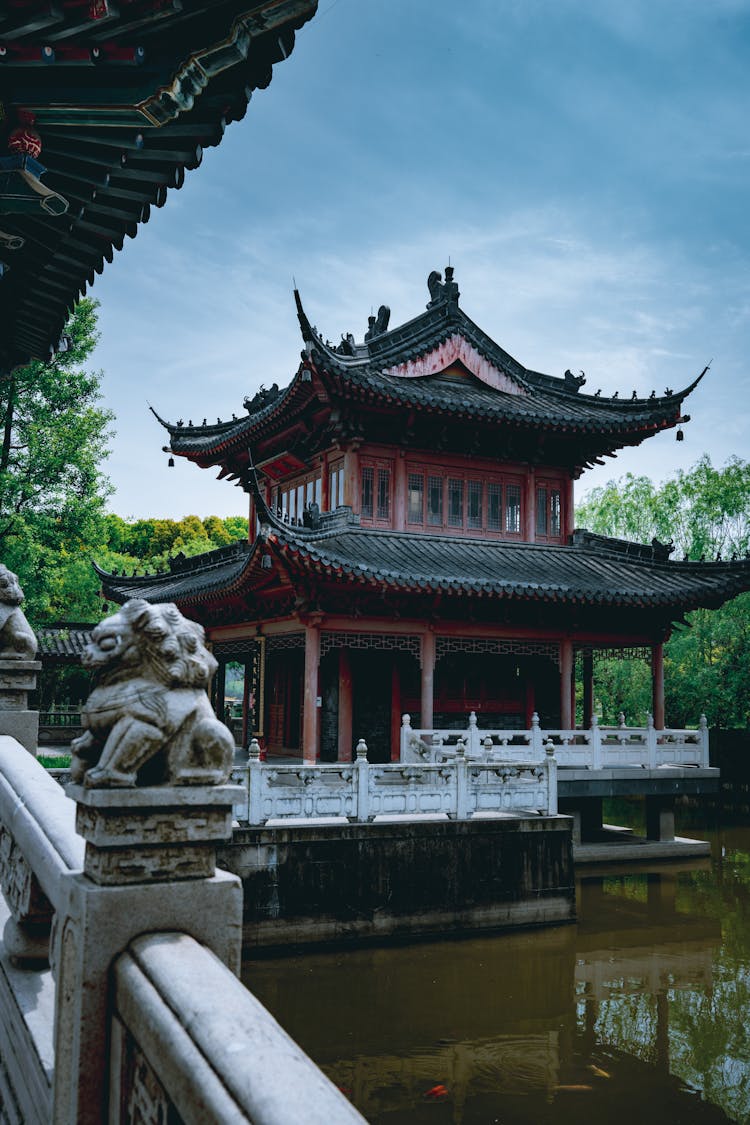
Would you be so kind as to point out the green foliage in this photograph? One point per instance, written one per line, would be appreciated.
(54, 438)
(708, 666)
(704, 511)
(620, 686)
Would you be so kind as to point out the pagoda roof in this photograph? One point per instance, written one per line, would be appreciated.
(105, 107)
(438, 363)
(592, 570)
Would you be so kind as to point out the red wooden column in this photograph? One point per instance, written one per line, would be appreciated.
(351, 479)
(566, 678)
(657, 685)
(310, 748)
(428, 679)
(346, 743)
(588, 688)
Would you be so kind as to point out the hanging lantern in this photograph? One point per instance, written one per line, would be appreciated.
(25, 141)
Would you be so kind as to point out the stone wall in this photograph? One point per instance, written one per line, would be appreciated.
(307, 884)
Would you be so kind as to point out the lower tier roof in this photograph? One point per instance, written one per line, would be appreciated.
(590, 571)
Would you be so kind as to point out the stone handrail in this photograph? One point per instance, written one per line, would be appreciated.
(361, 791)
(593, 748)
(209, 1061)
(39, 822)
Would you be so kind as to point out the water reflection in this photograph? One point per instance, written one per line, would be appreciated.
(640, 1009)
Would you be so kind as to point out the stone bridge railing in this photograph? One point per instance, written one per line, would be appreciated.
(120, 1001)
(362, 791)
(599, 747)
(180, 1035)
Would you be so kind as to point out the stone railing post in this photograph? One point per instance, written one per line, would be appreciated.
(151, 805)
(362, 774)
(537, 747)
(17, 679)
(651, 745)
(473, 734)
(26, 934)
(462, 781)
(596, 744)
(550, 765)
(406, 736)
(703, 727)
(254, 784)
(18, 666)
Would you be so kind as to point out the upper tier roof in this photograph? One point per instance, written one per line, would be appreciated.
(103, 107)
(439, 363)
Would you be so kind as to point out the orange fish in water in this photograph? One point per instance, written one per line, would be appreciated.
(436, 1092)
(597, 1071)
(572, 1089)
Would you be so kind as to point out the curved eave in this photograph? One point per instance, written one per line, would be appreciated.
(114, 160)
(209, 445)
(602, 574)
(427, 331)
(202, 578)
(707, 586)
(627, 421)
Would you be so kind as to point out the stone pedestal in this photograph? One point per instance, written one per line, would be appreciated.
(149, 867)
(158, 834)
(17, 679)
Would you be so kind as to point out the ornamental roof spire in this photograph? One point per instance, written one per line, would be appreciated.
(442, 292)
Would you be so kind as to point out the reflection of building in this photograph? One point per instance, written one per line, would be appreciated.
(415, 549)
(540, 1017)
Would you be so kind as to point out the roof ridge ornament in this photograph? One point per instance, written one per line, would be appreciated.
(442, 292)
(573, 382)
(377, 325)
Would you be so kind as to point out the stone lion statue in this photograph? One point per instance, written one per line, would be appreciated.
(17, 639)
(148, 720)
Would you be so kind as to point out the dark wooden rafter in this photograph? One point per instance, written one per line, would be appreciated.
(124, 99)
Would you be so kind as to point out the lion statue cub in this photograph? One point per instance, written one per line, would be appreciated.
(148, 720)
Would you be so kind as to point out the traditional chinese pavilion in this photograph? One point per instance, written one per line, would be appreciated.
(412, 545)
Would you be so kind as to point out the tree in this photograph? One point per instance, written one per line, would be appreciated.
(705, 512)
(54, 436)
(52, 490)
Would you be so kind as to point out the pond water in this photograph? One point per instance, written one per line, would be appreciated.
(638, 1012)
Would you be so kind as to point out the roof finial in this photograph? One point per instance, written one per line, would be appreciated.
(442, 292)
(304, 323)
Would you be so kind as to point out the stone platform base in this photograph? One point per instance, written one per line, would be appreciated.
(621, 845)
(307, 883)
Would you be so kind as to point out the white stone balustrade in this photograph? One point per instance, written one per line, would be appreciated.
(362, 791)
(596, 748)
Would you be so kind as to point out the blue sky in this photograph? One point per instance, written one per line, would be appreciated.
(585, 164)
